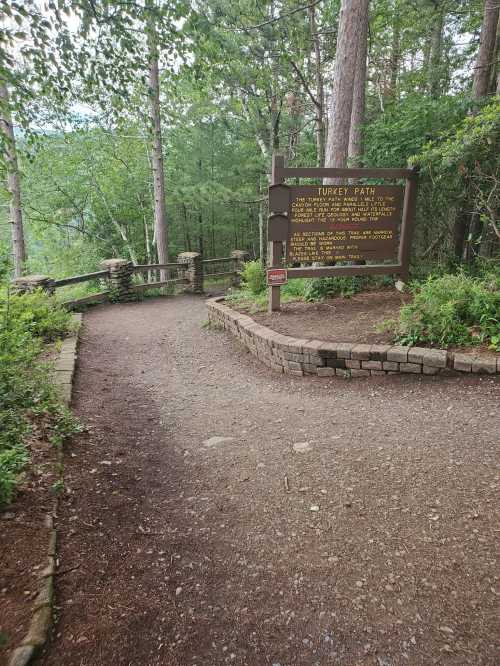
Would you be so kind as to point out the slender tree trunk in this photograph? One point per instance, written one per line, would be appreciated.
(358, 98)
(395, 52)
(495, 70)
(460, 233)
(13, 183)
(351, 16)
(274, 141)
(436, 53)
(320, 89)
(485, 60)
(160, 215)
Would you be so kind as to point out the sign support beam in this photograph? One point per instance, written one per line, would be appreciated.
(276, 247)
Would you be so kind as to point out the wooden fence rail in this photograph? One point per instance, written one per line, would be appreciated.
(86, 277)
(118, 274)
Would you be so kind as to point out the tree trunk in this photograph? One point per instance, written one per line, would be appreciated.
(436, 53)
(485, 60)
(160, 215)
(320, 90)
(352, 14)
(13, 183)
(460, 227)
(395, 52)
(358, 98)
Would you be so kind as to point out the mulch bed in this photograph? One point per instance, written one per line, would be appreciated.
(24, 539)
(353, 319)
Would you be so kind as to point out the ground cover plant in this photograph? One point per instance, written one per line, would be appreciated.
(252, 294)
(449, 309)
(452, 310)
(28, 400)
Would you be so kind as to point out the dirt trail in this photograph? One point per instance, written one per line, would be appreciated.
(189, 549)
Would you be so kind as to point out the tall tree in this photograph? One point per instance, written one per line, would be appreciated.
(160, 216)
(358, 97)
(319, 100)
(13, 181)
(352, 15)
(485, 58)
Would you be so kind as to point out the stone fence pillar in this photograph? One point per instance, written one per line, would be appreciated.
(29, 283)
(240, 256)
(191, 267)
(119, 279)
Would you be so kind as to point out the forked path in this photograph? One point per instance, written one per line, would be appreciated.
(194, 532)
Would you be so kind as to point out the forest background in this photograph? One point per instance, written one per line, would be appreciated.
(93, 129)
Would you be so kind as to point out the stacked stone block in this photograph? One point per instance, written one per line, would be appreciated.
(29, 283)
(239, 256)
(293, 356)
(191, 267)
(119, 279)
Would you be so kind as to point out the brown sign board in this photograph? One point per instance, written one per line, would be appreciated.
(277, 228)
(355, 228)
(343, 223)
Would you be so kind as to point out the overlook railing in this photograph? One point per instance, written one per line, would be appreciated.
(121, 280)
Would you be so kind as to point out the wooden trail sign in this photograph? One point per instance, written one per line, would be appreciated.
(354, 223)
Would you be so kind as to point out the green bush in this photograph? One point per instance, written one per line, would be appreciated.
(317, 289)
(35, 313)
(452, 309)
(25, 389)
(253, 277)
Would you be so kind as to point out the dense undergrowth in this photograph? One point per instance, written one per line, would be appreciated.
(448, 309)
(28, 400)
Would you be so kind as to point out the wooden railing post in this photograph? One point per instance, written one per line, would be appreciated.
(191, 266)
(119, 279)
(29, 283)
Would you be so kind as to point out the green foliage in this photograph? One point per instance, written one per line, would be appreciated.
(403, 130)
(317, 289)
(254, 277)
(36, 314)
(452, 309)
(26, 393)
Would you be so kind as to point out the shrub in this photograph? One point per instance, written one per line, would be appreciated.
(36, 314)
(452, 309)
(254, 277)
(316, 289)
(25, 389)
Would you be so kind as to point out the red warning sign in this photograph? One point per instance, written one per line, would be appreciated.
(276, 277)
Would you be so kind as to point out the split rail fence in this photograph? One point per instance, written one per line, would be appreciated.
(120, 280)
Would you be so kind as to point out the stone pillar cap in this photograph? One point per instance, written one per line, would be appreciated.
(31, 279)
(114, 263)
(188, 255)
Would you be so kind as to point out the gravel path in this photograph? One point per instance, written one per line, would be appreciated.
(218, 513)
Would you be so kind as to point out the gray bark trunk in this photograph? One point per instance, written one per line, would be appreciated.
(358, 97)
(395, 53)
(13, 183)
(320, 90)
(436, 52)
(160, 215)
(337, 145)
(484, 63)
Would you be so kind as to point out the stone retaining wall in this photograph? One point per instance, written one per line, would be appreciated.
(297, 357)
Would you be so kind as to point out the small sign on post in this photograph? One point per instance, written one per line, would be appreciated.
(276, 277)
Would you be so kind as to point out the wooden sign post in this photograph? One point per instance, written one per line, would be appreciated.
(340, 223)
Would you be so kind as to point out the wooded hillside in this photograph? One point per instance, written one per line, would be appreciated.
(142, 130)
